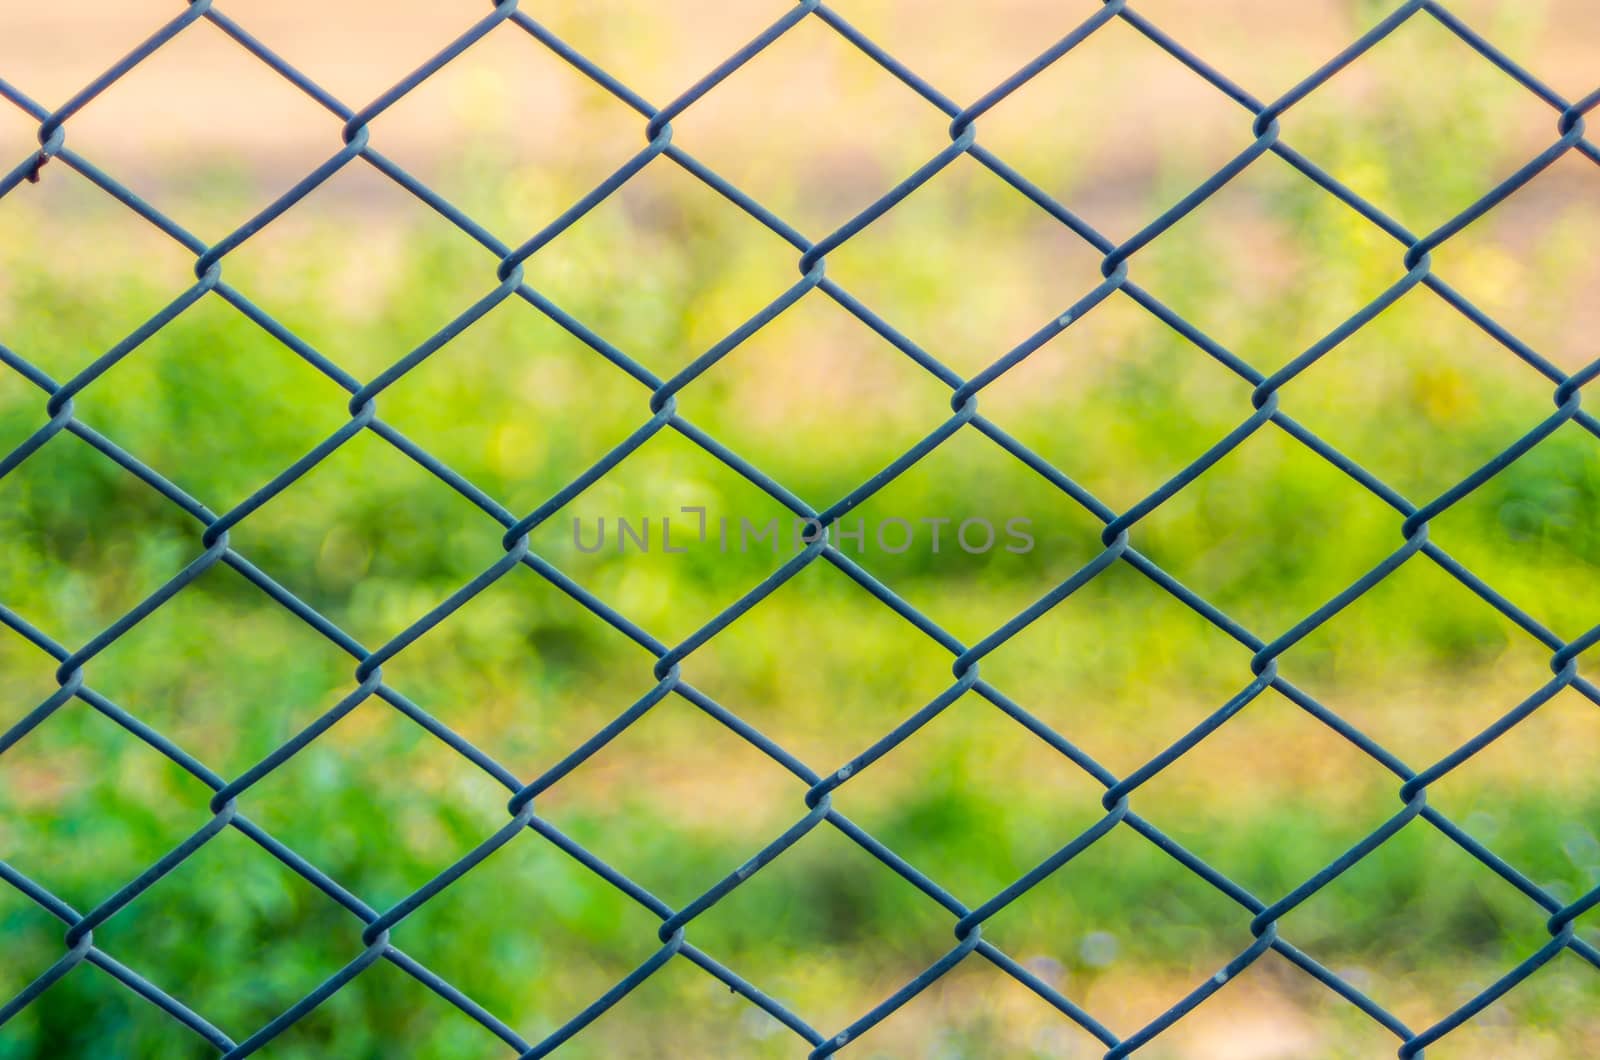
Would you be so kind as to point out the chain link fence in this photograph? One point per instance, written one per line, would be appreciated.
(377, 934)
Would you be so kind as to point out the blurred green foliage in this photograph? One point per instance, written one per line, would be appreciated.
(520, 407)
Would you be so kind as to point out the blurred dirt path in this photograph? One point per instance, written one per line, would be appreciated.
(202, 89)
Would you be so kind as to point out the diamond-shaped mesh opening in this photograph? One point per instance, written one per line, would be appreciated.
(1419, 397)
(964, 52)
(773, 128)
(592, 935)
(675, 830)
(203, 88)
(1118, 156)
(1310, 792)
(779, 398)
(195, 938)
(1274, 1009)
(1120, 639)
(1381, 920)
(972, 779)
(1127, 929)
(85, 540)
(322, 540)
(517, 370)
(1118, 401)
(788, 928)
(683, 1004)
(1523, 534)
(850, 691)
(37, 56)
(239, 691)
(1514, 264)
(1416, 148)
(1269, 265)
(641, 267)
(257, 422)
(1235, 527)
(443, 804)
(361, 270)
(1545, 45)
(88, 1011)
(1232, 44)
(1557, 46)
(1542, 821)
(748, 535)
(1390, 663)
(921, 264)
(1527, 1019)
(976, 1008)
(429, 1024)
(72, 291)
(522, 672)
(962, 490)
(1270, 1009)
(89, 807)
(508, 132)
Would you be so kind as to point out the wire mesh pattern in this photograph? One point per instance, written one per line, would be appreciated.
(380, 929)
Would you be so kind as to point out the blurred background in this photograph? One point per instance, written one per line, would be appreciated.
(966, 267)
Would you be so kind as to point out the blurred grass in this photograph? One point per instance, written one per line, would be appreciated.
(519, 406)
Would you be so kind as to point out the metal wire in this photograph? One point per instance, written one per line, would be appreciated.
(1259, 920)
